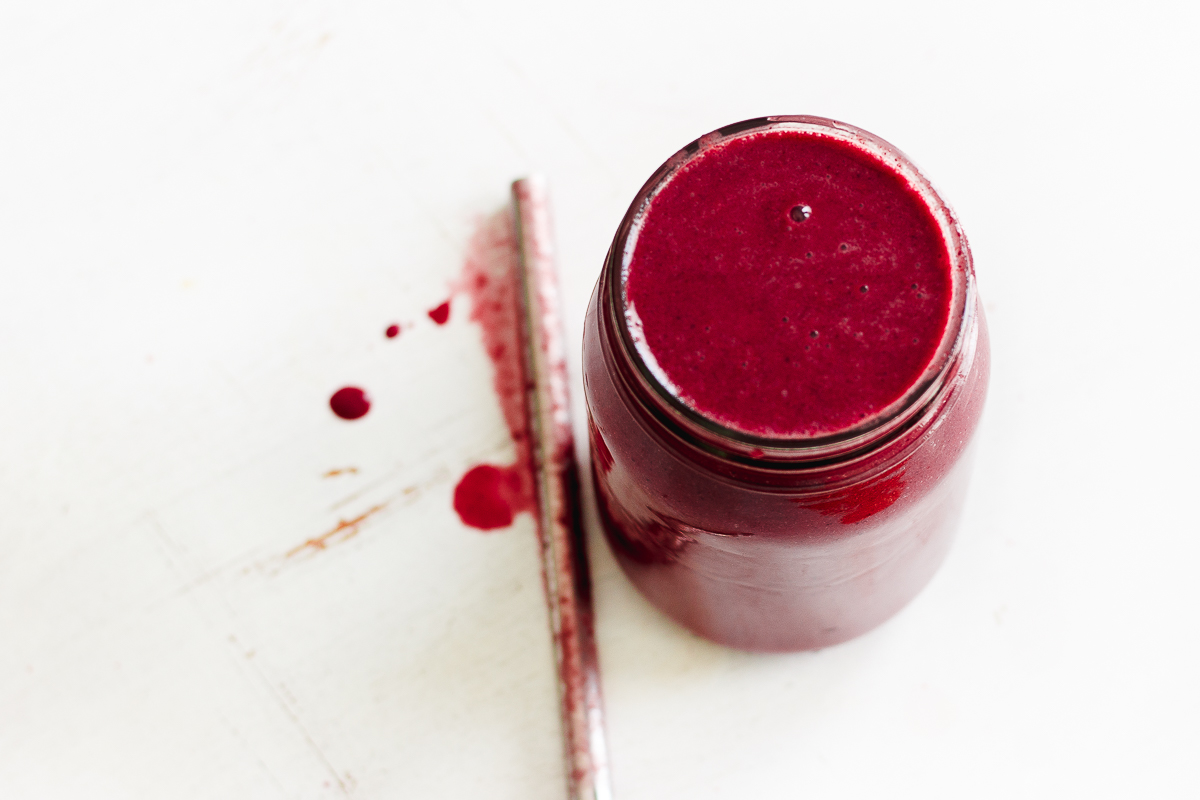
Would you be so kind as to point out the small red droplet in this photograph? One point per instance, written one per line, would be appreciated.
(392, 331)
(441, 313)
(350, 402)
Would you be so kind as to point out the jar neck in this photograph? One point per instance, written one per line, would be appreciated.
(663, 410)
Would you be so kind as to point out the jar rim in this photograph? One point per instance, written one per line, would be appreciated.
(714, 436)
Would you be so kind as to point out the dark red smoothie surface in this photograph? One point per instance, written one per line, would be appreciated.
(789, 285)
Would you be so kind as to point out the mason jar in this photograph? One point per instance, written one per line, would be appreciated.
(771, 487)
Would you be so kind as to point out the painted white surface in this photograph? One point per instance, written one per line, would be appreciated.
(209, 213)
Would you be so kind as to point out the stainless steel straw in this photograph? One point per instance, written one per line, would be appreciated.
(560, 532)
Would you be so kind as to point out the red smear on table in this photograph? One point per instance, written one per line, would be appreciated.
(345, 529)
(489, 496)
(350, 402)
(441, 314)
(392, 331)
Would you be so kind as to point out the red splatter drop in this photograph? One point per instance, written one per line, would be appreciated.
(487, 496)
(440, 314)
(489, 278)
(392, 331)
(350, 402)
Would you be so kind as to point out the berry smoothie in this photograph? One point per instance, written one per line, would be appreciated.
(784, 364)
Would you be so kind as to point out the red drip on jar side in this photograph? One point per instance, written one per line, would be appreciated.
(350, 402)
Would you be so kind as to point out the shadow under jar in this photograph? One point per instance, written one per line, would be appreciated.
(784, 363)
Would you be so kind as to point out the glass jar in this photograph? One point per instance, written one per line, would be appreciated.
(773, 543)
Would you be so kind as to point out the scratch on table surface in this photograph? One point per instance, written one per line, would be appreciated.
(288, 704)
(345, 529)
(208, 575)
(250, 668)
(237, 734)
(409, 492)
(341, 471)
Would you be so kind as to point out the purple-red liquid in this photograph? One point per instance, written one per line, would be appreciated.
(789, 286)
(441, 313)
(350, 402)
(489, 496)
(783, 285)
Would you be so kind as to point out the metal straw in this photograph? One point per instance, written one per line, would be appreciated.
(560, 531)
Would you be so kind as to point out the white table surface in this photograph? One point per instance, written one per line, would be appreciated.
(209, 212)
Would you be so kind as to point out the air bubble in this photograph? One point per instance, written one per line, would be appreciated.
(864, 288)
(814, 334)
(800, 213)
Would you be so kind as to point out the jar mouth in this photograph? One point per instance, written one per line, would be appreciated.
(655, 387)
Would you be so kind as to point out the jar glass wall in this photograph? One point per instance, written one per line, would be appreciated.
(751, 533)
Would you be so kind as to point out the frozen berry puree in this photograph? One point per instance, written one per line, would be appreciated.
(788, 284)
